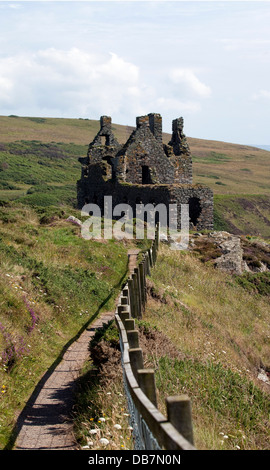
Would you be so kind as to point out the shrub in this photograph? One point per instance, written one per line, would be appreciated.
(14, 349)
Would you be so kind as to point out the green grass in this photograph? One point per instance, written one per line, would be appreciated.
(220, 325)
(212, 157)
(52, 283)
(40, 174)
(242, 214)
(236, 407)
(100, 396)
(39, 166)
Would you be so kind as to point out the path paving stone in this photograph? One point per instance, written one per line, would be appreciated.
(46, 423)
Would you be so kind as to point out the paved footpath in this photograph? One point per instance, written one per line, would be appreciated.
(46, 422)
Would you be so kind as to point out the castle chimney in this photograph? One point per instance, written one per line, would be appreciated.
(142, 121)
(105, 123)
(155, 123)
(178, 126)
(178, 140)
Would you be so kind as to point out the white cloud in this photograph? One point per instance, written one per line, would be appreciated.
(261, 94)
(72, 81)
(76, 83)
(168, 105)
(187, 78)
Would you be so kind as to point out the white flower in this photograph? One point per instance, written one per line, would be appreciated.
(102, 420)
(117, 426)
(93, 431)
(103, 441)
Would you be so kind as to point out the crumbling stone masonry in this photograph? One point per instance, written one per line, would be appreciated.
(144, 170)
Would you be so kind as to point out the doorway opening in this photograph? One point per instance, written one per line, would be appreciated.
(146, 175)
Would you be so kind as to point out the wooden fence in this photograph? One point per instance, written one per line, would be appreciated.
(175, 431)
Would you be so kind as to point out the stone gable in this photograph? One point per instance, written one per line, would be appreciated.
(144, 170)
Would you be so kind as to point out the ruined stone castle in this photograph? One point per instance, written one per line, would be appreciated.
(144, 170)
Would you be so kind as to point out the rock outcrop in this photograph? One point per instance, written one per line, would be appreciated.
(232, 253)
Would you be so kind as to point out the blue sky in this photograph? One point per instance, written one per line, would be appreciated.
(206, 61)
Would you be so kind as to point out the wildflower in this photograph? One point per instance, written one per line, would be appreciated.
(117, 426)
(101, 420)
(93, 431)
(103, 441)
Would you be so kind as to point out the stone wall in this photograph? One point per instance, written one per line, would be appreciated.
(199, 198)
(144, 170)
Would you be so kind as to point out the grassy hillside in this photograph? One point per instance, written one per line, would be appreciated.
(39, 165)
(218, 338)
(239, 178)
(52, 283)
(243, 214)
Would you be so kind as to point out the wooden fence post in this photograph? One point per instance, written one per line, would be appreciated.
(124, 300)
(179, 415)
(131, 296)
(138, 290)
(147, 259)
(142, 284)
(154, 252)
(157, 234)
(136, 360)
(133, 339)
(150, 254)
(124, 315)
(125, 293)
(122, 308)
(135, 293)
(129, 324)
(146, 379)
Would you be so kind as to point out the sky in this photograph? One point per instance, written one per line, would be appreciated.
(208, 62)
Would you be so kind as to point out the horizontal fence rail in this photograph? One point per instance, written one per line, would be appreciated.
(151, 429)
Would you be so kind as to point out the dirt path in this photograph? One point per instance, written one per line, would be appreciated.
(46, 422)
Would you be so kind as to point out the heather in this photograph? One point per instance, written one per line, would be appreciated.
(52, 284)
